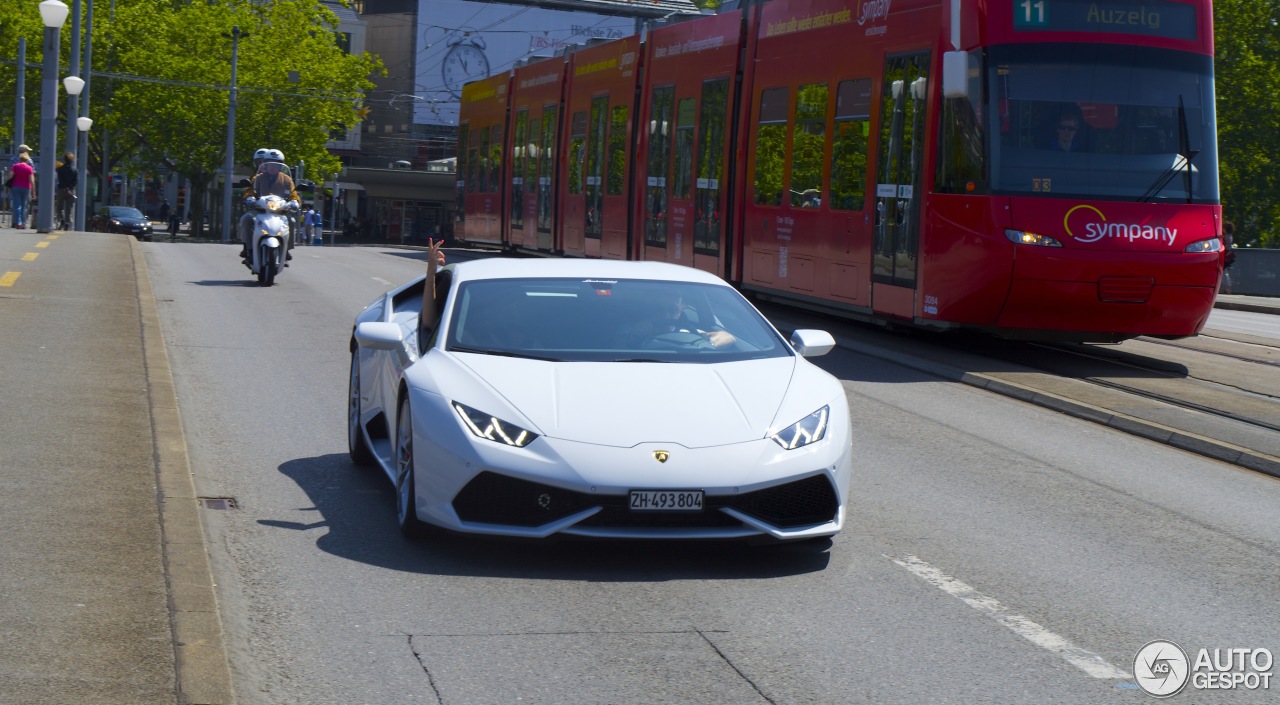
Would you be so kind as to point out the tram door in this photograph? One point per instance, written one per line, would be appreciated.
(900, 168)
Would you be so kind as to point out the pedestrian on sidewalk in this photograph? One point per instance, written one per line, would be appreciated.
(307, 226)
(23, 187)
(64, 199)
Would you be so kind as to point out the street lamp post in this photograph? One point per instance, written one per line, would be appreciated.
(73, 84)
(83, 124)
(53, 13)
(73, 70)
(229, 161)
(82, 150)
(20, 102)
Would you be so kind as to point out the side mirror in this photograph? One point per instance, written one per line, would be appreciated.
(812, 343)
(377, 335)
(244, 183)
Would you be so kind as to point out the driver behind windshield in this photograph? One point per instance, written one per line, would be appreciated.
(666, 315)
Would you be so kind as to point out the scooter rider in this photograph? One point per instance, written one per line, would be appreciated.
(272, 179)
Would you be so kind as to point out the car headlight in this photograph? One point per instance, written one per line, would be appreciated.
(493, 428)
(808, 430)
(1021, 237)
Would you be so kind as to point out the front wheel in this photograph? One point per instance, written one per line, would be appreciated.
(356, 445)
(406, 487)
(267, 266)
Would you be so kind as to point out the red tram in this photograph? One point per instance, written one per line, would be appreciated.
(1041, 169)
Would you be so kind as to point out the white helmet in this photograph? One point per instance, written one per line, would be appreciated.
(275, 155)
(261, 155)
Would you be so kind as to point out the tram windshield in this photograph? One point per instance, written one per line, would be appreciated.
(1102, 121)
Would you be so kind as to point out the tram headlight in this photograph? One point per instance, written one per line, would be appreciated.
(1022, 237)
(1213, 244)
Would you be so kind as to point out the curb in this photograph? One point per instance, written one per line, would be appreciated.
(1245, 306)
(203, 675)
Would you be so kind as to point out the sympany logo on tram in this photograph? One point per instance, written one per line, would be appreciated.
(1092, 225)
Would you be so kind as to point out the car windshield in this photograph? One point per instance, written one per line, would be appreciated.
(628, 320)
(125, 212)
(1102, 121)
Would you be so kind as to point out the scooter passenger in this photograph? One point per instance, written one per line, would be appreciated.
(272, 179)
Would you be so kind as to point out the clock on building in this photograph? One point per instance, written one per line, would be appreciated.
(464, 62)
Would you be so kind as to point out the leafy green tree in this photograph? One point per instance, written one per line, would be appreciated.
(21, 20)
(162, 72)
(295, 84)
(1247, 79)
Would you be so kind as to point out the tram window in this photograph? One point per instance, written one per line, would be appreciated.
(657, 167)
(531, 156)
(577, 151)
(546, 167)
(517, 171)
(460, 178)
(496, 157)
(473, 170)
(711, 123)
(683, 173)
(809, 145)
(771, 146)
(617, 148)
(849, 145)
(961, 166)
(596, 164)
(482, 170)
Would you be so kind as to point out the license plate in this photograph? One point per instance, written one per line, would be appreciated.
(666, 500)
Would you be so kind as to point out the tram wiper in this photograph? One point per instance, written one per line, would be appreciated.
(1185, 155)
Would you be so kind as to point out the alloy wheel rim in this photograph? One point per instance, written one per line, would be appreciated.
(353, 402)
(404, 461)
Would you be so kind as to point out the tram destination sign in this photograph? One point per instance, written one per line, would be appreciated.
(1152, 18)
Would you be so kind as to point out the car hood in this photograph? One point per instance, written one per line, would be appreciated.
(625, 404)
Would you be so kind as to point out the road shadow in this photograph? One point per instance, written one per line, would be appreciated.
(356, 506)
(226, 282)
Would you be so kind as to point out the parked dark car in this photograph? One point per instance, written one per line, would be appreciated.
(121, 219)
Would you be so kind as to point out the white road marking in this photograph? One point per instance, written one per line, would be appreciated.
(381, 281)
(1082, 659)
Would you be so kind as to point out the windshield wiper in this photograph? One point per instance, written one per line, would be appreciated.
(1185, 155)
(502, 353)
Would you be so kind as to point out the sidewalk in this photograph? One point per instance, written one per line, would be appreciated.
(1255, 304)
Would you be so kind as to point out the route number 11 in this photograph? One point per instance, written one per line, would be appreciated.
(1031, 13)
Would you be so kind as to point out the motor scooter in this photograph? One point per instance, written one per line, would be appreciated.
(269, 246)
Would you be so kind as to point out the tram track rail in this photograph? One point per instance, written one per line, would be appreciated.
(1216, 396)
(1175, 399)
